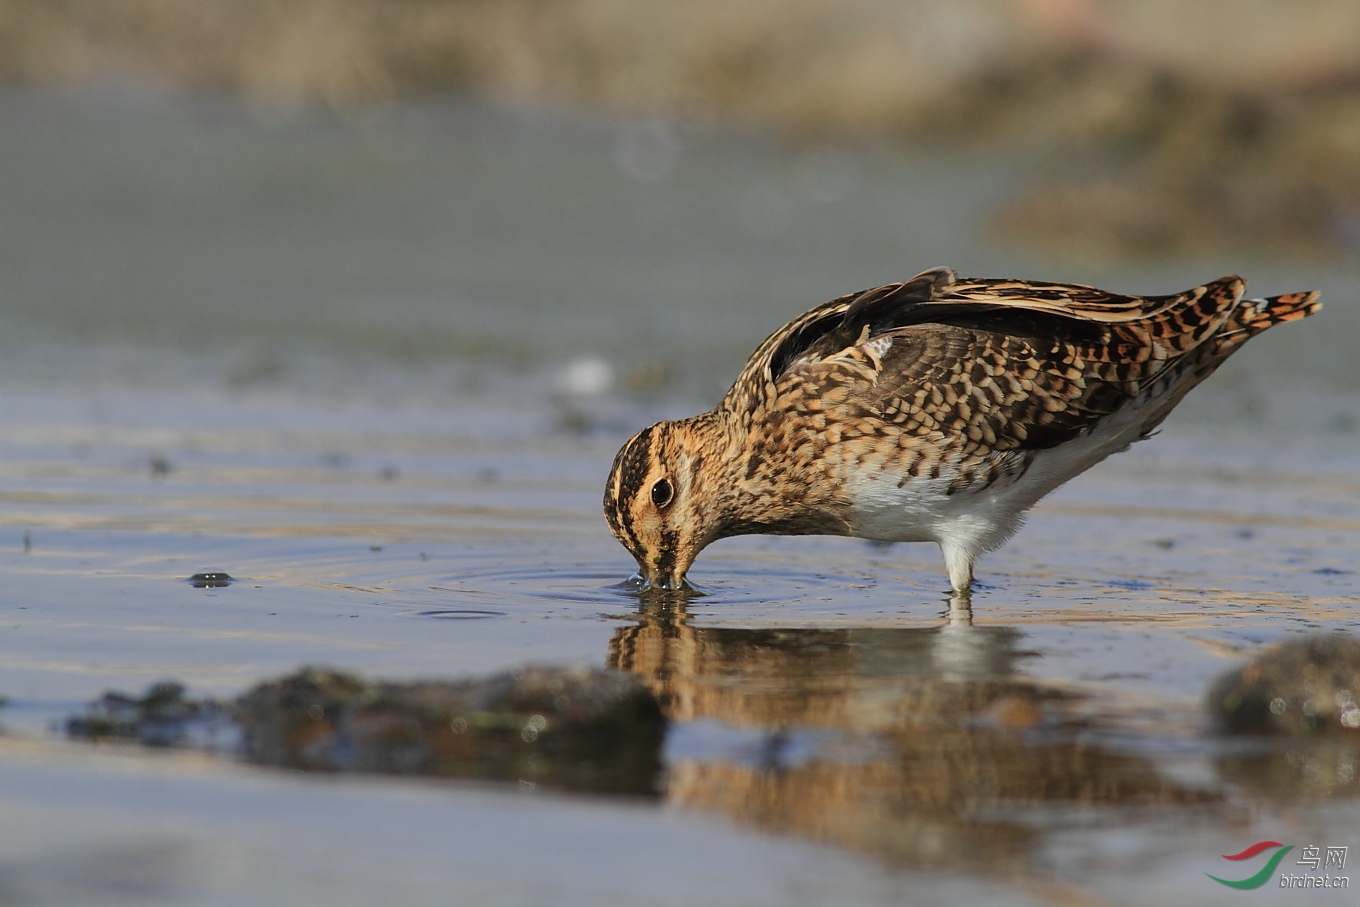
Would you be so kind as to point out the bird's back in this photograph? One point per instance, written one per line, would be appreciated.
(1019, 364)
(953, 401)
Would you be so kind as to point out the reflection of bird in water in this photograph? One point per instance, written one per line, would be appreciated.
(939, 409)
(878, 738)
(860, 678)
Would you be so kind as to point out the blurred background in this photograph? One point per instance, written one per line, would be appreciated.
(355, 300)
(585, 200)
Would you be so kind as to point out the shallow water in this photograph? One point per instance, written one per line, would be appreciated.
(338, 371)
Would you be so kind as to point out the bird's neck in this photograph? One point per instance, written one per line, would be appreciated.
(749, 484)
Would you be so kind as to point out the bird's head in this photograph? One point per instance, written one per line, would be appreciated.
(657, 504)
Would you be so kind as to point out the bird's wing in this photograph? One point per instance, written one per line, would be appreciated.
(1005, 363)
(821, 328)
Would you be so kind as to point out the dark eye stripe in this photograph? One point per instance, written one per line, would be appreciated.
(625, 481)
(634, 460)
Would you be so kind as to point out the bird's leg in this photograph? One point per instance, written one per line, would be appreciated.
(958, 560)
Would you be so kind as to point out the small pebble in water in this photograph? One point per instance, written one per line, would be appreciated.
(211, 579)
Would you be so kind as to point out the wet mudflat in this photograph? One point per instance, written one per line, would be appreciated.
(1051, 743)
(837, 730)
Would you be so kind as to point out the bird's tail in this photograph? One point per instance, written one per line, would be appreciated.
(1252, 316)
(1247, 319)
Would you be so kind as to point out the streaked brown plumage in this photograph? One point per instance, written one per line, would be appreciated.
(938, 409)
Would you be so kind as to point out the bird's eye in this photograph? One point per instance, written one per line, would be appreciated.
(662, 493)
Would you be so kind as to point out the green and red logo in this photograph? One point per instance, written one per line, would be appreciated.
(1266, 871)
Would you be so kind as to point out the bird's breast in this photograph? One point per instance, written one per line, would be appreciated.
(888, 510)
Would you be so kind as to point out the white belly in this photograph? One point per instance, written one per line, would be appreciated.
(981, 520)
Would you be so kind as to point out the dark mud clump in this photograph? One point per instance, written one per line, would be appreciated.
(1301, 697)
(573, 728)
(1304, 688)
(163, 717)
(579, 729)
